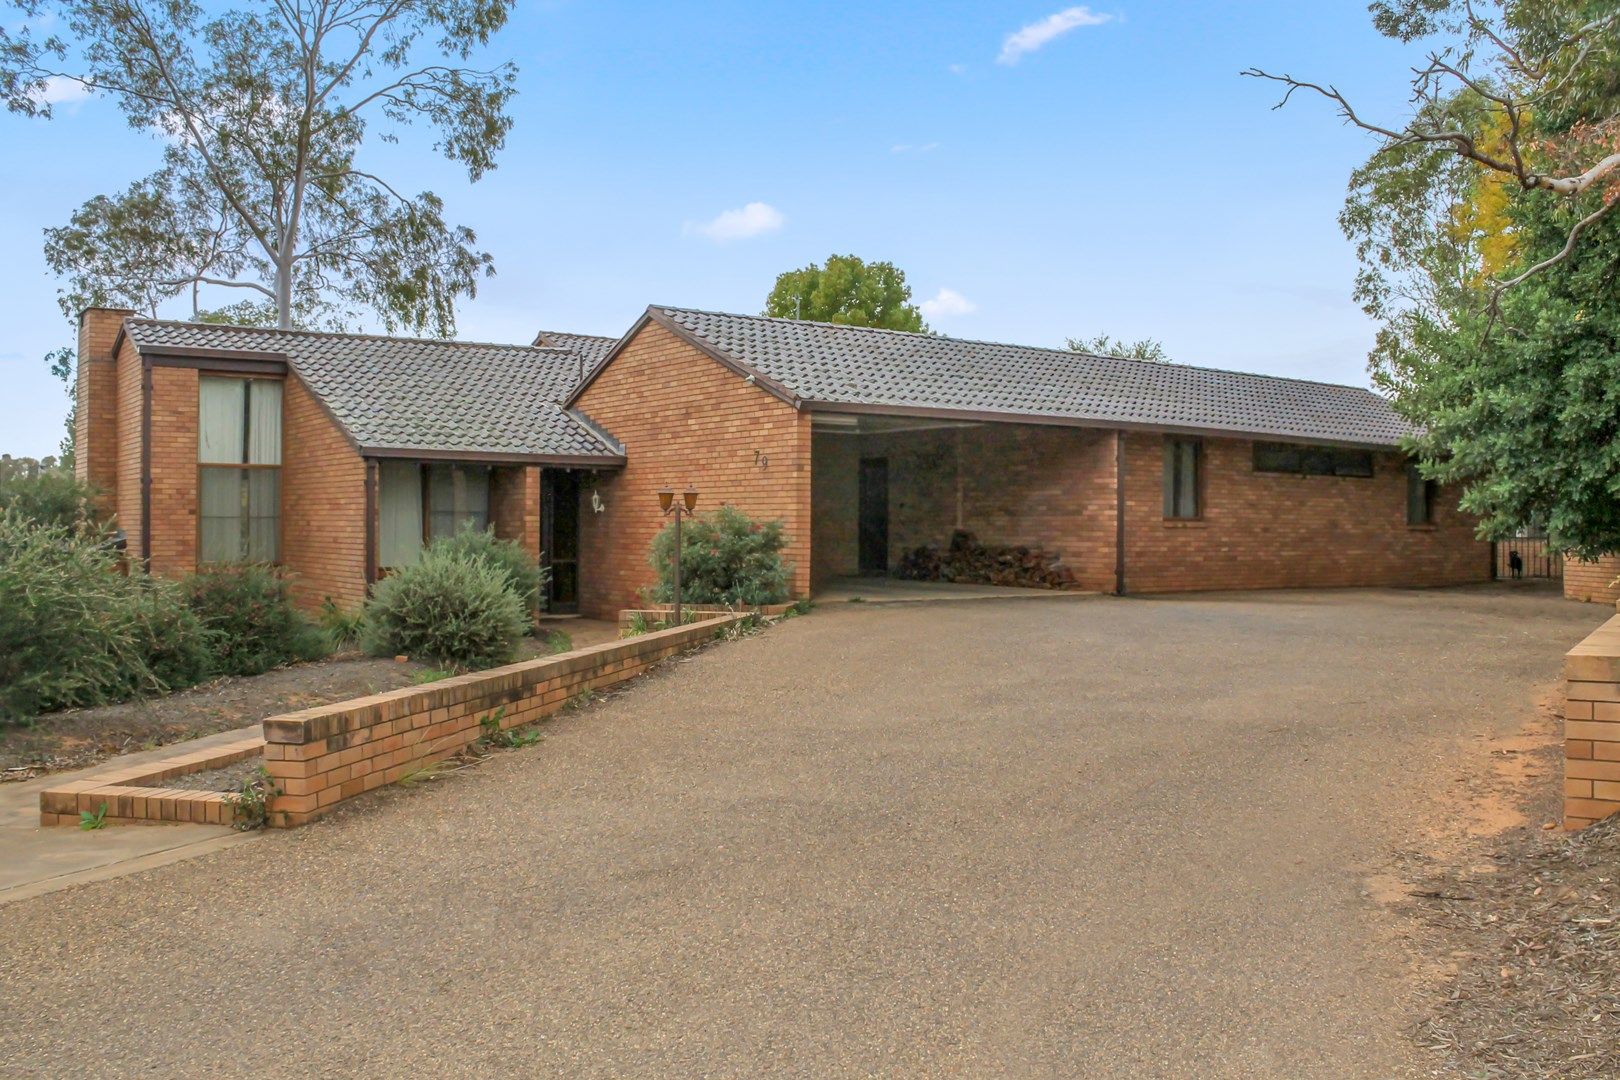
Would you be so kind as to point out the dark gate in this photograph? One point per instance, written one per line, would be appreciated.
(1527, 557)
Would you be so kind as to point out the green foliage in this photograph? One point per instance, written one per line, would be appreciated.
(48, 496)
(1102, 345)
(250, 803)
(63, 364)
(74, 631)
(1514, 389)
(251, 613)
(726, 558)
(342, 628)
(507, 739)
(93, 819)
(431, 675)
(507, 556)
(846, 290)
(637, 625)
(557, 641)
(262, 110)
(450, 608)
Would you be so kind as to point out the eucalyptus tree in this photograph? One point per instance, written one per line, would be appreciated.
(263, 112)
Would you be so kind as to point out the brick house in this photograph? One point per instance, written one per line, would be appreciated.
(338, 455)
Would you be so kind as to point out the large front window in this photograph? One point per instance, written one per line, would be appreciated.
(239, 469)
(417, 503)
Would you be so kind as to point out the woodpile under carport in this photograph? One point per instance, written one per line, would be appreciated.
(967, 562)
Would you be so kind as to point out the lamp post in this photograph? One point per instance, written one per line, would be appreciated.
(684, 508)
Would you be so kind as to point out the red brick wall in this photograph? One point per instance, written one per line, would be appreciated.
(126, 501)
(174, 470)
(1592, 581)
(323, 504)
(684, 418)
(1592, 727)
(514, 505)
(95, 431)
(1039, 485)
(1266, 530)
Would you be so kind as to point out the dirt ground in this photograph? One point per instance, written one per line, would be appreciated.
(74, 738)
(1047, 838)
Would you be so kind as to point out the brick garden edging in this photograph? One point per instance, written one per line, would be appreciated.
(135, 795)
(1592, 727)
(321, 756)
(654, 612)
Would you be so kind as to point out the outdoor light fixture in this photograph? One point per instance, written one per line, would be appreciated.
(685, 508)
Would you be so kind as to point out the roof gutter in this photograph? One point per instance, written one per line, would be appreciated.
(1049, 420)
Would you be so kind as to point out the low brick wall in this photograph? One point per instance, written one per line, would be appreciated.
(321, 756)
(135, 794)
(1592, 727)
(660, 612)
(1592, 581)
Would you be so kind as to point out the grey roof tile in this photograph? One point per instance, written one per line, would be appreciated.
(592, 348)
(848, 365)
(434, 396)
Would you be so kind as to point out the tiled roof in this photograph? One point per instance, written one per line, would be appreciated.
(593, 348)
(821, 363)
(434, 396)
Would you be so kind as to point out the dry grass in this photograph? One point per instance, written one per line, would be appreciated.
(1536, 949)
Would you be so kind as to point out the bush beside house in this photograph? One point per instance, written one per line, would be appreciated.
(726, 558)
(450, 607)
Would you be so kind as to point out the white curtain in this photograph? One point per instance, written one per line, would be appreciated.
(220, 416)
(459, 497)
(264, 422)
(399, 513)
(221, 515)
(264, 517)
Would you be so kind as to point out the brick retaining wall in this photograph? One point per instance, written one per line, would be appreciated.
(321, 756)
(1592, 727)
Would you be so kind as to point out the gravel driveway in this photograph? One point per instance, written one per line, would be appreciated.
(1069, 837)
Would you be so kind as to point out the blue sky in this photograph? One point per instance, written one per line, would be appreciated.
(1056, 171)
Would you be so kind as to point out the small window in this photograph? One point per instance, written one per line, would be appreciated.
(1300, 460)
(1181, 465)
(1420, 494)
(239, 469)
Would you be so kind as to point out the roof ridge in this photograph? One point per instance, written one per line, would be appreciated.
(1069, 353)
(189, 325)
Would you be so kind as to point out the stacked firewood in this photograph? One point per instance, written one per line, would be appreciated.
(968, 562)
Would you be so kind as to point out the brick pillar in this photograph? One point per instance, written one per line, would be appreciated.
(1592, 727)
(514, 505)
(95, 431)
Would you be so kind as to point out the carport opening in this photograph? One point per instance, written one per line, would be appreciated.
(959, 501)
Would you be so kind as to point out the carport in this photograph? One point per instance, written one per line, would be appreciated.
(886, 483)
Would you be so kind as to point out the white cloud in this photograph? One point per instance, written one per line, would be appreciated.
(1037, 34)
(946, 303)
(913, 148)
(61, 90)
(755, 219)
(958, 69)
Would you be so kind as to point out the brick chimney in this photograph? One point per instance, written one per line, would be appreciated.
(95, 431)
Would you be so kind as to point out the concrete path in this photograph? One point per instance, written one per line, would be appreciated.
(35, 860)
(1106, 838)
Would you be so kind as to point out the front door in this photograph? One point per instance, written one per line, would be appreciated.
(559, 536)
(874, 516)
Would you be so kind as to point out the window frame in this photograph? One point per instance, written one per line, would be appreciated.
(243, 466)
(1431, 491)
(424, 481)
(1170, 484)
(1338, 457)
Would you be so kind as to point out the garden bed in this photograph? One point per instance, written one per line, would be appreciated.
(75, 738)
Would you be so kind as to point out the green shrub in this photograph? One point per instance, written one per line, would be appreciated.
(508, 556)
(342, 628)
(450, 607)
(251, 613)
(51, 497)
(726, 558)
(74, 631)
